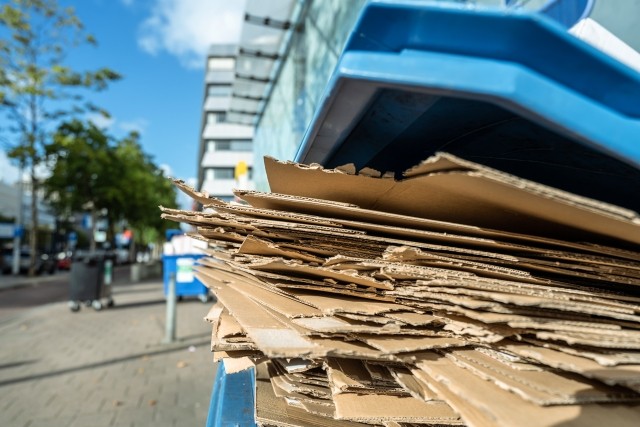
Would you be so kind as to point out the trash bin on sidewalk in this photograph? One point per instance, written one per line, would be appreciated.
(186, 282)
(90, 282)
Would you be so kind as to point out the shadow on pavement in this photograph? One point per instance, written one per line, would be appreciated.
(179, 347)
(17, 364)
(122, 289)
(196, 336)
(136, 304)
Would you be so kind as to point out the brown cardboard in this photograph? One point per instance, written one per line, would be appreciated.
(229, 336)
(541, 387)
(414, 319)
(272, 337)
(235, 365)
(601, 356)
(515, 205)
(417, 388)
(375, 408)
(296, 364)
(289, 385)
(479, 401)
(351, 376)
(394, 344)
(333, 325)
(625, 375)
(274, 411)
(201, 197)
(368, 219)
(233, 354)
(293, 268)
(379, 320)
(318, 280)
(254, 246)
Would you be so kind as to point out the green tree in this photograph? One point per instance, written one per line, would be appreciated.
(144, 187)
(37, 89)
(83, 163)
(90, 171)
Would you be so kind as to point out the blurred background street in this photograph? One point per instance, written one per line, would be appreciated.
(101, 368)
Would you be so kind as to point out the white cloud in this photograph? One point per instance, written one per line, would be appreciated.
(101, 121)
(112, 124)
(186, 28)
(127, 3)
(139, 125)
(166, 169)
(8, 172)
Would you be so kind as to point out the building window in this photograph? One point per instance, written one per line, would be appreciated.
(221, 64)
(211, 174)
(219, 90)
(241, 145)
(216, 118)
(220, 173)
(222, 146)
(230, 145)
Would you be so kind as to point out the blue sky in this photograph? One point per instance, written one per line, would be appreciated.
(159, 48)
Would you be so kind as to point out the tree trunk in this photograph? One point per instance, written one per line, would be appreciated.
(33, 236)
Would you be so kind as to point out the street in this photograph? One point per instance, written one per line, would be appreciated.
(52, 289)
(43, 289)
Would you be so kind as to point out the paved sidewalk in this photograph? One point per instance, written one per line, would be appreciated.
(106, 368)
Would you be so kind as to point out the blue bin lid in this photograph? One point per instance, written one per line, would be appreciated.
(511, 90)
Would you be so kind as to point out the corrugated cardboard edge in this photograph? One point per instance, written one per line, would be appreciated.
(233, 366)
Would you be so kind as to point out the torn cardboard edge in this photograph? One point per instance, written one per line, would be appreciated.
(368, 219)
(201, 197)
(516, 204)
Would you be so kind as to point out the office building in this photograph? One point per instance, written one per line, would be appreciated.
(223, 145)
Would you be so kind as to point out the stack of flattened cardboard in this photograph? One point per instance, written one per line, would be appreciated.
(458, 295)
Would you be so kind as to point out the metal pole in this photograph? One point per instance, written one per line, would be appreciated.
(170, 324)
(18, 227)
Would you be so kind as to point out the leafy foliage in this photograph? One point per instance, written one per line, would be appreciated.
(143, 187)
(82, 163)
(37, 89)
(91, 170)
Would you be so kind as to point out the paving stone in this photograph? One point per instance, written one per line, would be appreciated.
(106, 368)
(51, 422)
(104, 419)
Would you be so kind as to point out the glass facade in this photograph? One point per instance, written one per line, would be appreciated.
(219, 90)
(313, 54)
(621, 18)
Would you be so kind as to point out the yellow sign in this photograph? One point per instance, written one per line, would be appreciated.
(241, 169)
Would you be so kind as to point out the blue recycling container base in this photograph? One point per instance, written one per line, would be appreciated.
(232, 398)
(186, 282)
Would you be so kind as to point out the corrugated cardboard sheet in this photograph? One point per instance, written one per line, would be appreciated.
(459, 295)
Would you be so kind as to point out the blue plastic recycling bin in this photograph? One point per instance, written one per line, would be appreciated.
(186, 282)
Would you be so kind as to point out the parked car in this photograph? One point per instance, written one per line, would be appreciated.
(45, 263)
(6, 260)
(63, 260)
